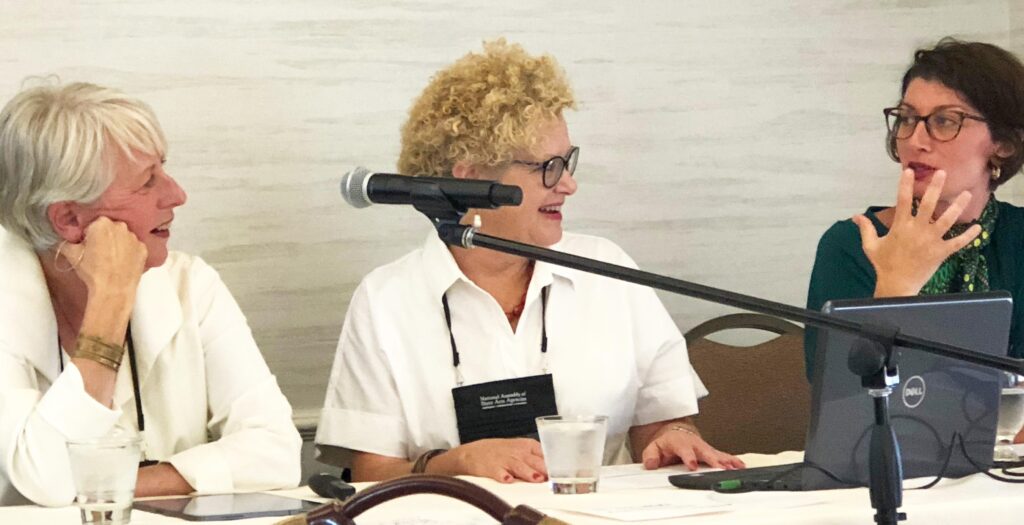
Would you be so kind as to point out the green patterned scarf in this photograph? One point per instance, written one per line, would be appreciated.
(967, 269)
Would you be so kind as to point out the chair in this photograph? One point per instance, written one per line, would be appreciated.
(759, 396)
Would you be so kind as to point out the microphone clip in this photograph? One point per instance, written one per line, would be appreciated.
(446, 216)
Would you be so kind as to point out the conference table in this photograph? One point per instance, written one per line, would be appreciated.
(630, 495)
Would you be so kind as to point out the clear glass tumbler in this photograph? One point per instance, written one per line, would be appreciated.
(573, 450)
(104, 472)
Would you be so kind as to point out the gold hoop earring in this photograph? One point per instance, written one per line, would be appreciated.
(56, 258)
(996, 172)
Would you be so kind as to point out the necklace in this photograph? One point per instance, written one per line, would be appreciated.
(516, 310)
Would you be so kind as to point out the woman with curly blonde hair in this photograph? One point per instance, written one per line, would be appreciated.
(448, 354)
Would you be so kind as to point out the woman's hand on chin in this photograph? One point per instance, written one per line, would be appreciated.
(110, 260)
(914, 248)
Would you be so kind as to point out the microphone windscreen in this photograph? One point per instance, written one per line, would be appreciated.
(353, 187)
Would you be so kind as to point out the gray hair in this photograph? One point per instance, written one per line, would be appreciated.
(54, 144)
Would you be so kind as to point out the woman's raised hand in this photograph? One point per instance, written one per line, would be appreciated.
(914, 248)
(110, 260)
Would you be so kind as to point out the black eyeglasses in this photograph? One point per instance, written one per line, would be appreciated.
(943, 124)
(555, 166)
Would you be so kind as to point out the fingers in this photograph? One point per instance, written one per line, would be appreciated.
(537, 463)
(651, 456)
(953, 212)
(532, 446)
(505, 460)
(502, 475)
(520, 469)
(101, 223)
(534, 458)
(718, 459)
(711, 459)
(926, 209)
(957, 243)
(868, 234)
(688, 455)
(670, 448)
(72, 252)
(904, 197)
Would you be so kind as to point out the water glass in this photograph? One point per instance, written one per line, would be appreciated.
(104, 472)
(573, 449)
(1011, 416)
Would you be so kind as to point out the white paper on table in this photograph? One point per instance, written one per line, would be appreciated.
(650, 511)
(769, 499)
(634, 476)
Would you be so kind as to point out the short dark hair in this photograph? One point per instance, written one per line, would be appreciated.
(989, 78)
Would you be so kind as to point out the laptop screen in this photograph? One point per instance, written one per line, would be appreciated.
(937, 397)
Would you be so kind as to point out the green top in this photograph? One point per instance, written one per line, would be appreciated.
(842, 270)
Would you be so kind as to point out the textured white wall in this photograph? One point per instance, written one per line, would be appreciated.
(727, 134)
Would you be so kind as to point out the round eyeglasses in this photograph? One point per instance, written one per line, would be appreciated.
(943, 124)
(553, 168)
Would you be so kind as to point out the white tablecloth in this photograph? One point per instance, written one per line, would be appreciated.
(975, 499)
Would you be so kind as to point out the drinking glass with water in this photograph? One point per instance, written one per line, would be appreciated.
(104, 472)
(1011, 416)
(573, 450)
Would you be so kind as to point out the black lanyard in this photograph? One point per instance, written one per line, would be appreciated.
(455, 348)
(139, 417)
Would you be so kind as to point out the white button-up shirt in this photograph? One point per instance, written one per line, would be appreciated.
(613, 350)
(212, 407)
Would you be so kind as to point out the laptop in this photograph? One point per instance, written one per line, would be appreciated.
(937, 398)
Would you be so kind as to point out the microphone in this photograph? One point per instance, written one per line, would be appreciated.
(361, 187)
(330, 486)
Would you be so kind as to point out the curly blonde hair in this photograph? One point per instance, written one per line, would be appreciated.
(483, 109)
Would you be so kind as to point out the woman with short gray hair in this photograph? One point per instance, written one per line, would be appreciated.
(102, 326)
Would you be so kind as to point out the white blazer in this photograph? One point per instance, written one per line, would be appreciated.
(211, 406)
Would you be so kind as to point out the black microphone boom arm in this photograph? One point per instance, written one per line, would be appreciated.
(467, 237)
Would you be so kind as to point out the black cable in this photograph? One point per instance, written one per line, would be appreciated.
(985, 471)
(829, 474)
(945, 465)
(1006, 471)
(957, 437)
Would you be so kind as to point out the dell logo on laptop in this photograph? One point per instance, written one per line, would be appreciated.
(913, 392)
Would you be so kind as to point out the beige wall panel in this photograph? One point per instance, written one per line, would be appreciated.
(718, 139)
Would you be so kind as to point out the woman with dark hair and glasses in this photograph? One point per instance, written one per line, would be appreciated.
(958, 134)
(447, 355)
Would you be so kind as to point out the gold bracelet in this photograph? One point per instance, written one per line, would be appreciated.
(100, 351)
(684, 428)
